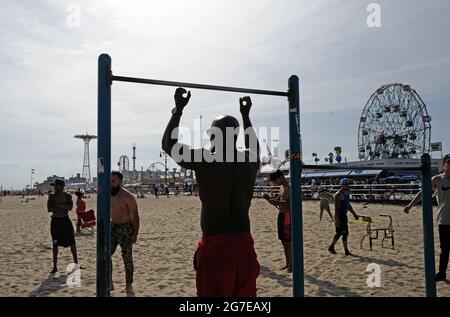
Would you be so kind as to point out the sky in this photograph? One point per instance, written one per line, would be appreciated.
(48, 71)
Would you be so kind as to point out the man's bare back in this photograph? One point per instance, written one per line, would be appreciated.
(225, 186)
(226, 191)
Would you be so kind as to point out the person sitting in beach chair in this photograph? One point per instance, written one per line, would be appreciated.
(85, 219)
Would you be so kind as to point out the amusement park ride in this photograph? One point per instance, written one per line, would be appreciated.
(394, 124)
(394, 130)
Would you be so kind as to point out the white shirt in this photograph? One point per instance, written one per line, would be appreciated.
(443, 199)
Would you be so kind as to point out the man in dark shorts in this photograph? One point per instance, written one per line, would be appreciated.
(124, 226)
(61, 227)
(225, 260)
(342, 206)
(283, 204)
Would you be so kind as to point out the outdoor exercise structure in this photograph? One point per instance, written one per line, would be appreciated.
(105, 81)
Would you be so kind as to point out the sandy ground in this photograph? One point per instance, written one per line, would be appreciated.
(168, 238)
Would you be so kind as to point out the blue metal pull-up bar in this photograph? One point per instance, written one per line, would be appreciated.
(198, 86)
(105, 80)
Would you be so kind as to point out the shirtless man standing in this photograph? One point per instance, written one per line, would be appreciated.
(225, 260)
(61, 226)
(283, 204)
(124, 226)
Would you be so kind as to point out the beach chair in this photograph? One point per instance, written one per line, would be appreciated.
(374, 228)
(87, 219)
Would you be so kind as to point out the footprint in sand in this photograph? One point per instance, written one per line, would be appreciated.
(162, 270)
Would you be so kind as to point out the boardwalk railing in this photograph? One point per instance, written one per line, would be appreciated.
(359, 192)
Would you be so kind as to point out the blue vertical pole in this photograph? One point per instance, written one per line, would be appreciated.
(296, 189)
(428, 234)
(104, 177)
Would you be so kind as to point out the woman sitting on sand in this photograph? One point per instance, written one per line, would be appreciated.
(81, 207)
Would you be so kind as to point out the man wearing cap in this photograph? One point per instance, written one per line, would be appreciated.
(225, 261)
(441, 185)
(61, 227)
(342, 206)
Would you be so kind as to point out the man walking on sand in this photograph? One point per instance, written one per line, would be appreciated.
(441, 184)
(61, 226)
(225, 260)
(124, 226)
(342, 206)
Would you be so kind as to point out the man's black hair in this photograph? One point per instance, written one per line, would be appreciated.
(446, 159)
(118, 174)
(275, 175)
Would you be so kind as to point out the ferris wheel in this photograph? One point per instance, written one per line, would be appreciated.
(394, 124)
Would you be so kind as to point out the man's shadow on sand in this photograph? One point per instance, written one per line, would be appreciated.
(392, 263)
(325, 287)
(50, 285)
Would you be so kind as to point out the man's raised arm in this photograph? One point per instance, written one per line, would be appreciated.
(182, 154)
(249, 132)
(168, 142)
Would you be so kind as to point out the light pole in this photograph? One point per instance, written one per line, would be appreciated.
(31, 179)
(161, 154)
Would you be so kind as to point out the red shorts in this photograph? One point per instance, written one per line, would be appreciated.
(226, 266)
(284, 226)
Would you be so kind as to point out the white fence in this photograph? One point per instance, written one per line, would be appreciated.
(359, 192)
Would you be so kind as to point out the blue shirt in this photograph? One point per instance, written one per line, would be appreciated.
(345, 203)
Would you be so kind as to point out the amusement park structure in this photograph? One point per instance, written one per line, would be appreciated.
(123, 164)
(86, 173)
(394, 124)
(394, 131)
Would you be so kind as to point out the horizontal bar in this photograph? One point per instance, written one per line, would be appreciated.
(198, 86)
(352, 167)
